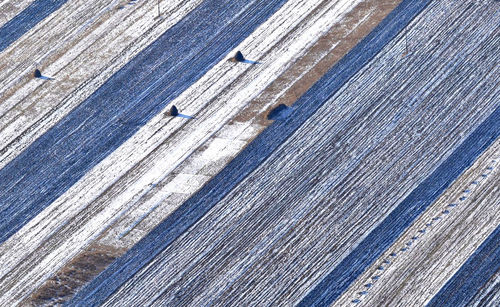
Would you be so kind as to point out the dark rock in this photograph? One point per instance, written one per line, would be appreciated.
(281, 112)
(174, 111)
(37, 73)
(239, 57)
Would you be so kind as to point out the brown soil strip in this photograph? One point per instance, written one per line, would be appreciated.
(346, 35)
(78, 272)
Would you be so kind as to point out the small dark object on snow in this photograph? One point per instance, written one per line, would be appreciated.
(280, 112)
(37, 73)
(174, 111)
(239, 57)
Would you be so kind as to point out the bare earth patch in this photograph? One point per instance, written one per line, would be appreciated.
(344, 36)
(78, 272)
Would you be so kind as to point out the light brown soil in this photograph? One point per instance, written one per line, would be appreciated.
(78, 272)
(347, 34)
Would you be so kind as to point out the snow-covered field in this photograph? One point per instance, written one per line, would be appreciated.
(164, 157)
(9, 9)
(86, 44)
(91, 160)
(371, 147)
(438, 243)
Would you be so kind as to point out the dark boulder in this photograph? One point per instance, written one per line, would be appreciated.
(37, 73)
(174, 111)
(239, 57)
(281, 112)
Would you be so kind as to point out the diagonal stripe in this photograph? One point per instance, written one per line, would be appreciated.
(276, 42)
(489, 294)
(27, 19)
(391, 228)
(473, 275)
(437, 244)
(192, 210)
(9, 9)
(30, 107)
(276, 233)
(122, 105)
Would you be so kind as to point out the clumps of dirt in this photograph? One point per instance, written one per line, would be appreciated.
(82, 269)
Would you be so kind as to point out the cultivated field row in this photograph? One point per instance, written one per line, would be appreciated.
(438, 243)
(300, 213)
(122, 183)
